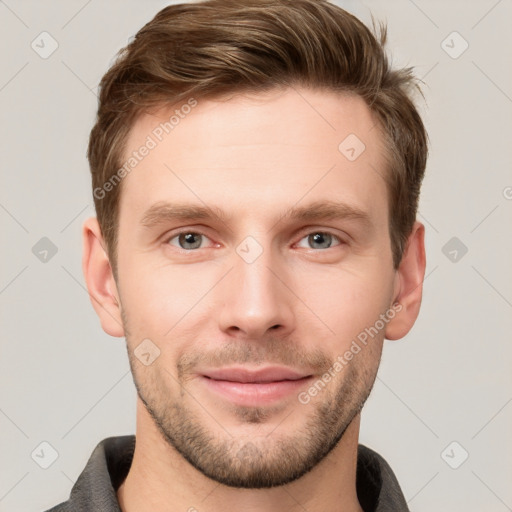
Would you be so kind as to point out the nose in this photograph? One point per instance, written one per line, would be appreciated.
(256, 298)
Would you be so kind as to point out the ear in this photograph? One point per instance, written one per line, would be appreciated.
(408, 285)
(100, 279)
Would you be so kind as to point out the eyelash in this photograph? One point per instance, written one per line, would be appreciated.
(198, 232)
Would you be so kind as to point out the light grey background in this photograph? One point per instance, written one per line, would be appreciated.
(65, 382)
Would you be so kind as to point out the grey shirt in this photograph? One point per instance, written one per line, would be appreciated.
(95, 490)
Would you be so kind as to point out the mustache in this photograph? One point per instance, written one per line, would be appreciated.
(273, 351)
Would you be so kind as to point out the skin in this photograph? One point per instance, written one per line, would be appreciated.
(300, 304)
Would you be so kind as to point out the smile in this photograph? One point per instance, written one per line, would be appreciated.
(254, 388)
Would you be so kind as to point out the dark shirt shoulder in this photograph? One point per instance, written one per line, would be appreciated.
(95, 488)
(377, 488)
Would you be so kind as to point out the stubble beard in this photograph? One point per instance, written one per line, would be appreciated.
(262, 461)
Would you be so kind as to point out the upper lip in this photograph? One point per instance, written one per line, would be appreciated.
(267, 374)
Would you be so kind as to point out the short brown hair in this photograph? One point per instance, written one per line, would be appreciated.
(211, 48)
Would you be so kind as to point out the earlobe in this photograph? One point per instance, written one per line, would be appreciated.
(100, 279)
(408, 285)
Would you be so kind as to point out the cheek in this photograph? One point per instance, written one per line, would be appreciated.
(348, 302)
(343, 294)
(162, 301)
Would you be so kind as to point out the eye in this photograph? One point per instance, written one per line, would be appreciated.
(322, 238)
(188, 240)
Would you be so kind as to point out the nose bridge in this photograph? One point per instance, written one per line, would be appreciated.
(255, 277)
(255, 299)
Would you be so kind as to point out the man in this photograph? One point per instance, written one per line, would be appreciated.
(256, 168)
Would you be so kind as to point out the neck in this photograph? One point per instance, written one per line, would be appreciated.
(161, 479)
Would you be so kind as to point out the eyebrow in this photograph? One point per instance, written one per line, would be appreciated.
(163, 212)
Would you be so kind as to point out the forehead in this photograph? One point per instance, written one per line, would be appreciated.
(252, 152)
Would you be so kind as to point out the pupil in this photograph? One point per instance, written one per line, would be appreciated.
(321, 238)
(188, 240)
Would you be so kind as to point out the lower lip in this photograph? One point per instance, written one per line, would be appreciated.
(254, 394)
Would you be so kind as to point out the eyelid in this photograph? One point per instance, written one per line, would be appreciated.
(304, 232)
(169, 236)
(308, 231)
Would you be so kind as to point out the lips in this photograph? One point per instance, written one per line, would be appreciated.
(253, 388)
(264, 375)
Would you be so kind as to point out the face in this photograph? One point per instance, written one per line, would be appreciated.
(253, 252)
